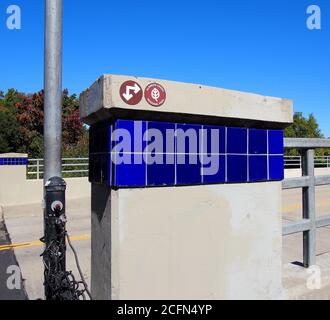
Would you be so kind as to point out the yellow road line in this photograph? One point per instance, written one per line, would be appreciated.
(296, 206)
(38, 243)
(24, 245)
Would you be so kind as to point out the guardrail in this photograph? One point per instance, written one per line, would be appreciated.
(308, 182)
(295, 162)
(71, 167)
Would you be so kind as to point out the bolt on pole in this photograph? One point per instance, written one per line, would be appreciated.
(56, 280)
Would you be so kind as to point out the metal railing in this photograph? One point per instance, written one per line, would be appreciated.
(71, 167)
(295, 162)
(308, 182)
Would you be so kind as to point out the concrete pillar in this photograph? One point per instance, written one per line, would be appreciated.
(12, 176)
(171, 231)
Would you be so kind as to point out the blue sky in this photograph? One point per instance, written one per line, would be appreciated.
(258, 46)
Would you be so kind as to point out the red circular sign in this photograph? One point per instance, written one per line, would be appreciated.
(131, 93)
(155, 94)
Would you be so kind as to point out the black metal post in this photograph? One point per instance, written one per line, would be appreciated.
(56, 283)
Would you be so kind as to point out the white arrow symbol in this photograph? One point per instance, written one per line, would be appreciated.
(127, 95)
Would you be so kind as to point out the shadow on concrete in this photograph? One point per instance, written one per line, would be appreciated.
(8, 259)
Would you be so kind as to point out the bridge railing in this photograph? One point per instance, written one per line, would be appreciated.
(308, 183)
(295, 162)
(78, 167)
(71, 168)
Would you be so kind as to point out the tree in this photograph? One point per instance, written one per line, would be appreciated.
(23, 116)
(9, 132)
(304, 128)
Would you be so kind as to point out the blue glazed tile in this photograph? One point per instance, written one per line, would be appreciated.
(214, 145)
(220, 174)
(161, 137)
(237, 168)
(161, 174)
(188, 173)
(129, 136)
(188, 138)
(237, 140)
(258, 168)
(110, 171)
(130, 174)
(257, 141)
(111, 144)
(276, 168)
(276, 142)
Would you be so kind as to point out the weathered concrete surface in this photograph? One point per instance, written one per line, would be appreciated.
(184, 98)
(15, 189)
(13, 155)
(187, 243)
(308, 284)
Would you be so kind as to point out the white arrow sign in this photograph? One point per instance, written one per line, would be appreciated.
(127, 95)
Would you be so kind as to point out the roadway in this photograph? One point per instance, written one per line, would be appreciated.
(25, 226)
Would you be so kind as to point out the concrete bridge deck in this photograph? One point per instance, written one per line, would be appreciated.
(25, 227)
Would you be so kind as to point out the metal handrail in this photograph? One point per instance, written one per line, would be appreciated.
(71, 167)
(306, 143)
(36, 166)
(308, 182)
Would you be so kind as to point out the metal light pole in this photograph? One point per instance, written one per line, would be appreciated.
(53, 89)
(54, 257)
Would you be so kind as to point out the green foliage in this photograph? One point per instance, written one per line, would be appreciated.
(9, 132)
(304, 128)
(22, 124)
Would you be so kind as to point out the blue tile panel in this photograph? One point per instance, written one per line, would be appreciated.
(13, 161)
(140, 154)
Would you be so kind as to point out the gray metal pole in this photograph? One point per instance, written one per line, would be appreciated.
(309, 237)
(53, 89)
(56, 282)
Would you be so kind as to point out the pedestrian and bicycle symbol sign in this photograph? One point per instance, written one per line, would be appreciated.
(132, 94)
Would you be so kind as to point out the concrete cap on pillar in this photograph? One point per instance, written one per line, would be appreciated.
(185, 102)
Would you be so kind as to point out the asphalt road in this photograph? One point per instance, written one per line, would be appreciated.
(7, 260)
(25, 227)
(292, 211)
